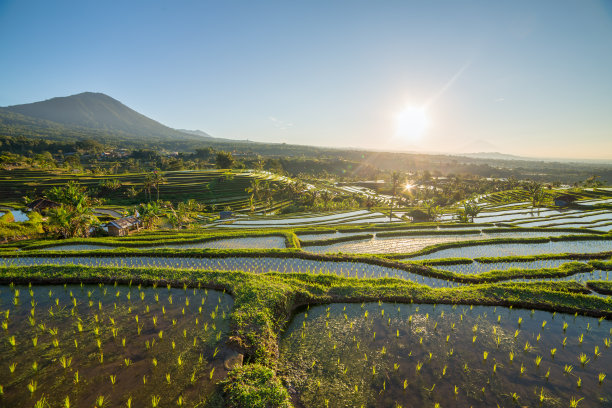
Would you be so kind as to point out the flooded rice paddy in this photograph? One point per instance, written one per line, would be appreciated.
(389, 355)
(245, 264)
(105, 345)
(223, 243)
(496, 250)
(382, 245)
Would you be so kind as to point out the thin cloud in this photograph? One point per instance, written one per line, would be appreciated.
(282, 125)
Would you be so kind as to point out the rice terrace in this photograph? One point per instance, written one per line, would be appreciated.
(408, 206)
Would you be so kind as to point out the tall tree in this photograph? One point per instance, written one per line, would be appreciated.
(536, 193)
(157, 178)
(396, 179)
(254, 192)
(224, 160)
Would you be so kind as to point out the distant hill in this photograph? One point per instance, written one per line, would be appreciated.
(204, 135)
(87, 114)
(494, 156)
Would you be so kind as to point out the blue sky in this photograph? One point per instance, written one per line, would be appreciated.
(522, 77)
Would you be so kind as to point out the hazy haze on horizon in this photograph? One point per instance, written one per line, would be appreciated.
(525, 78)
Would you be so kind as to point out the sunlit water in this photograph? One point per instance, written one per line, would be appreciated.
(420, 355)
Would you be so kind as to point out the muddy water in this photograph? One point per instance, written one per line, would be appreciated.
(107, 315)
(415, 356)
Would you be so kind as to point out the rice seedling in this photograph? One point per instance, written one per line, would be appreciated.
(601, 377)
(32, 387)
(65, 362)
(100, 401)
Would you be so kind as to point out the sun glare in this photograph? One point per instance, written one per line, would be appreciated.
(411, 123)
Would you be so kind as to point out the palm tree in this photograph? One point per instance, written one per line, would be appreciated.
(432, 210)
(268, 191)
(310, 197)
(536, 193)
(148, 213)
(157, 179)
(469, 211)
(326, 197)
(254, 192)
(147, 185)
(395, 182)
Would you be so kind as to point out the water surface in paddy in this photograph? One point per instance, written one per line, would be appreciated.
(338, 234)
(420, 355)
(233, 243)
(553, 247)
(253, 265)
(223, 243)
(167, 352)
(382, 245)
(595, 217)
(478, 267)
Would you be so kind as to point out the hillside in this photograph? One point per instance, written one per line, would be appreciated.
(86, 114)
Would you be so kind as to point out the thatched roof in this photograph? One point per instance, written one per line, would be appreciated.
(566, 197)
(125, 222)
(42, 204)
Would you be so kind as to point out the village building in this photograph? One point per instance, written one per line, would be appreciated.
(123, 226)
(564, 200)
(41, 204)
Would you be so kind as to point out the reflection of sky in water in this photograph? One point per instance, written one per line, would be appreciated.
(346, 346)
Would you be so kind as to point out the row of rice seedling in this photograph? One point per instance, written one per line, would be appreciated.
(510, 249)
(222, 243)
(251, 265)
(104, 345)
(408, 244)
(390, 355)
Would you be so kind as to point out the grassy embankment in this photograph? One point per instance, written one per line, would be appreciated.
(264, 304)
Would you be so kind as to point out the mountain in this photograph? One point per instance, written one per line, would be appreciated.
(477, 146)
(494, 156)
(196, 133)
(90, 115)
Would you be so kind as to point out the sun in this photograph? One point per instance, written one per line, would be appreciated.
(412, 123)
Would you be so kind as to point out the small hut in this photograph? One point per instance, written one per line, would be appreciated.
(41, 204)
(123, 226)
(564, 200)
(419, 216)
(224, 215)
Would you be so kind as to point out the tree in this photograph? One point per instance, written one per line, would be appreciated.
(73, 160)
(74, 217)
(326, 196)
(183, 213)
(148, 213)
(432, 210)
(267, 192)
(72, 195)
(469, 211)
(158, 178)
(148, 185)
(224, 160)
(536, 193)
(254, 191)
(396, 179)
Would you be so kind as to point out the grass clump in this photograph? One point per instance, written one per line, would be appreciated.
(255, 386)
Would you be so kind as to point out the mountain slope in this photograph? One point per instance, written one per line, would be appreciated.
(96, 112)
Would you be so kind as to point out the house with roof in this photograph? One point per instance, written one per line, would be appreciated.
(123, 226)
(564, 200)
(41, 204)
